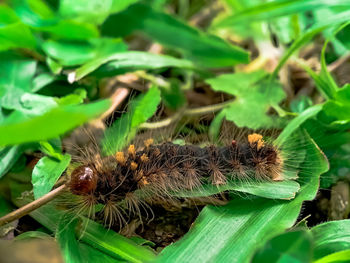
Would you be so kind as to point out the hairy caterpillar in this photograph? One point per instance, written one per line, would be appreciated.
(132, 179)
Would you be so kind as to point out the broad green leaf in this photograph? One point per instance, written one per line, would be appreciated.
(16, 73)
(278, 8)
(8, 157)
(7, 15)
(5, 206)
(74, 98)
(46, 172)
(41, 81)
(331, 237)
(145, 107)
(32, 234)
(231, 233)
(337, 257)
(94, 234)
(122, 62)
(124, 128)
(207, 50)
(13, 33)
(294, 246)
(112, 243)
(120, 5)
(51, 124)
(77, 53)
(337, 110)
(300, 103)
(215, 126)
(93, 255)
(32, 105)
(16, 35)
(253, 99)
(69, 54)
(343, 37)
(65, 237)
(69, 29)
(294, 125)
(273, 190)
(96, 11)
(40, 18)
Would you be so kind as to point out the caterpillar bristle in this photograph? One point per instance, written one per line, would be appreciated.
(133, 166)
(148, 142)
(120, 157)
(127, 183)
(132, 151)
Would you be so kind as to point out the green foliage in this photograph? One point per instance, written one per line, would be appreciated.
(327, 242)
(253, 98)
(59, 60)
(46, 172)
(126, 126)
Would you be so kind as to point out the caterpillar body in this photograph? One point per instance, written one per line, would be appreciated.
(158, 170)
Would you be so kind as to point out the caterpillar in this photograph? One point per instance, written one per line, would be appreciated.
(134, 178)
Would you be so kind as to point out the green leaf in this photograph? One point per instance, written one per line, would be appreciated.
(41, 81)
(324, 81)
(93, 255)
(297, 122)
(8, 157)
(66, 239)
(273, 190)
(96, 11)
(75, 98)
(32, 234)
(120, 5)
(77, 53)
(301, 103)
(253, 99)
(331, 237)
(309, 35)
(215, 126)
(124, 128)
(16, 35)
(338, 257)
(231, 233)
(337, 110)
(46, 172)
(13, 33)
(16, 73)
(274, 9)
(41, 18)
(69, 29)
(122, 62)
(92, 233)
(30, 105)
(112, 244)
(145, 107)
(295, 246)
(208, 50)
(5, 207)
(51, 124)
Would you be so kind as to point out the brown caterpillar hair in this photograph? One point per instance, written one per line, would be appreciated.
(158, 170)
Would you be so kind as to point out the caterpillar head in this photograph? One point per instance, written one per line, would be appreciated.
(83, 180)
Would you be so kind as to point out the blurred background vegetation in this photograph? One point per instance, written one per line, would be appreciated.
(121, 67)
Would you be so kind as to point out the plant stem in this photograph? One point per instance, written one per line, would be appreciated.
(186, 112)
(24, 210)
